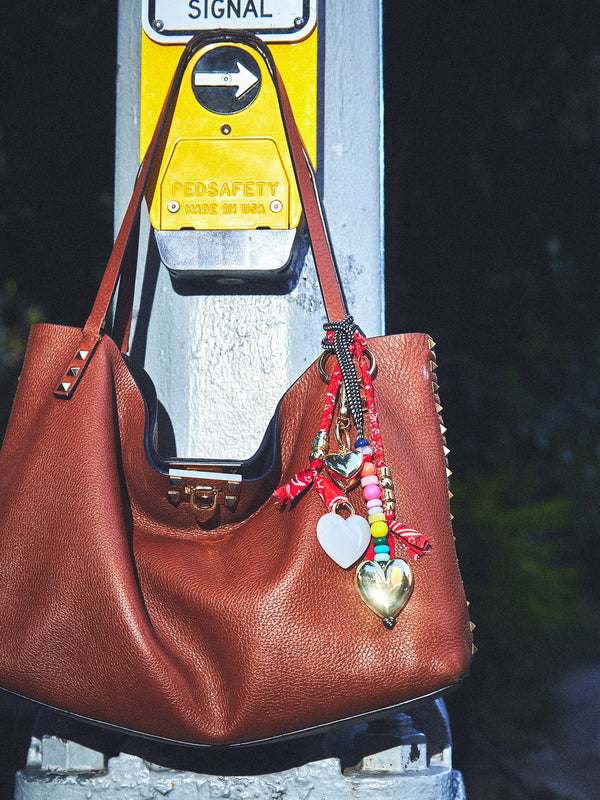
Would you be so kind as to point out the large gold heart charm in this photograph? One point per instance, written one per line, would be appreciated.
(344, 468)
(386, 590)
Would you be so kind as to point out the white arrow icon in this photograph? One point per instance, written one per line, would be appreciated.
(243, 79)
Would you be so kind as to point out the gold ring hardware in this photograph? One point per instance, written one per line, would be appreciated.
(203, 501)
(345, 503)
(322, 360)
(342, 428)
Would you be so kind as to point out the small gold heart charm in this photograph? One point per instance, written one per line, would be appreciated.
(386, 590)
(344, 468)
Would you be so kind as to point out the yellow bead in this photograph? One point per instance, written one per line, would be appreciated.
(379, 529)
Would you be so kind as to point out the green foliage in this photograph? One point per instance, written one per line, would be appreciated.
(492, 164)
(520, 564)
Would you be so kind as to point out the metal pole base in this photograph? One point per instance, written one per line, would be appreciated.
(385, 759)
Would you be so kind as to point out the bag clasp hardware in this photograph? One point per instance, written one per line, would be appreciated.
(204, 499)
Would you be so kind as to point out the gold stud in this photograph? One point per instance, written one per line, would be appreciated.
(443, 429)
(431, 343)
(446, 450)
(448, 472)
(474, 649)
(472, 625)
(435, 386)
(432, 366)
(438, 407)
(450, 495)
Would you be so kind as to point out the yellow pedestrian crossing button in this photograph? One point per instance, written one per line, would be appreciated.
(224, 203)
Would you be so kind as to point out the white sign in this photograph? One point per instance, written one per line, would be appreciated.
(176, 21)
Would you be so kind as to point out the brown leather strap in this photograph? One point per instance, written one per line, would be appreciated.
(121, 263)
(327, 272)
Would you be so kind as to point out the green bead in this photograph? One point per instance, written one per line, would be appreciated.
(380, 540)
(376, 518)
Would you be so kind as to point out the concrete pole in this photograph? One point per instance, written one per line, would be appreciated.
(199, 351)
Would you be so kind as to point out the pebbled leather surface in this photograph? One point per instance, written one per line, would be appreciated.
(117, 606)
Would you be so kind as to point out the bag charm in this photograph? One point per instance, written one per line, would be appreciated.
(384, 582)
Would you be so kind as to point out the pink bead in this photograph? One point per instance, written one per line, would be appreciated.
(371, 492)
(374, 503)
(368, 480)
(368, 469)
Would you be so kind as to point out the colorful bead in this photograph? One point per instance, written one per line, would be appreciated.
(369, 480)
(376, 518)
(365, 450)
(374, 503)
(371, 492)
(382, 557)
(360, 443)
(368, 469)
(367, 457)
(379, 529)
(380, 540)
(379, 510)
(319, 445)
(382, 548)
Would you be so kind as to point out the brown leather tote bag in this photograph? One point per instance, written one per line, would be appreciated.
(181, 600)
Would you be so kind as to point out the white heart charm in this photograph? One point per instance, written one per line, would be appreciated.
(344, 540)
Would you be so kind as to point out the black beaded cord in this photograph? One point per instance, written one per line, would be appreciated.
(343, 337)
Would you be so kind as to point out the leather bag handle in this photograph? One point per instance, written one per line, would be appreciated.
(122, 261)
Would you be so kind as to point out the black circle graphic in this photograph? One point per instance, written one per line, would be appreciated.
(226, 80)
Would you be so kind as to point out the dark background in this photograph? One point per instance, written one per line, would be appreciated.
(492, 127)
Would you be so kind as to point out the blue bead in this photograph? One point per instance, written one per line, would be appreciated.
(382, 548)
(360, 443)
(382, 556)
